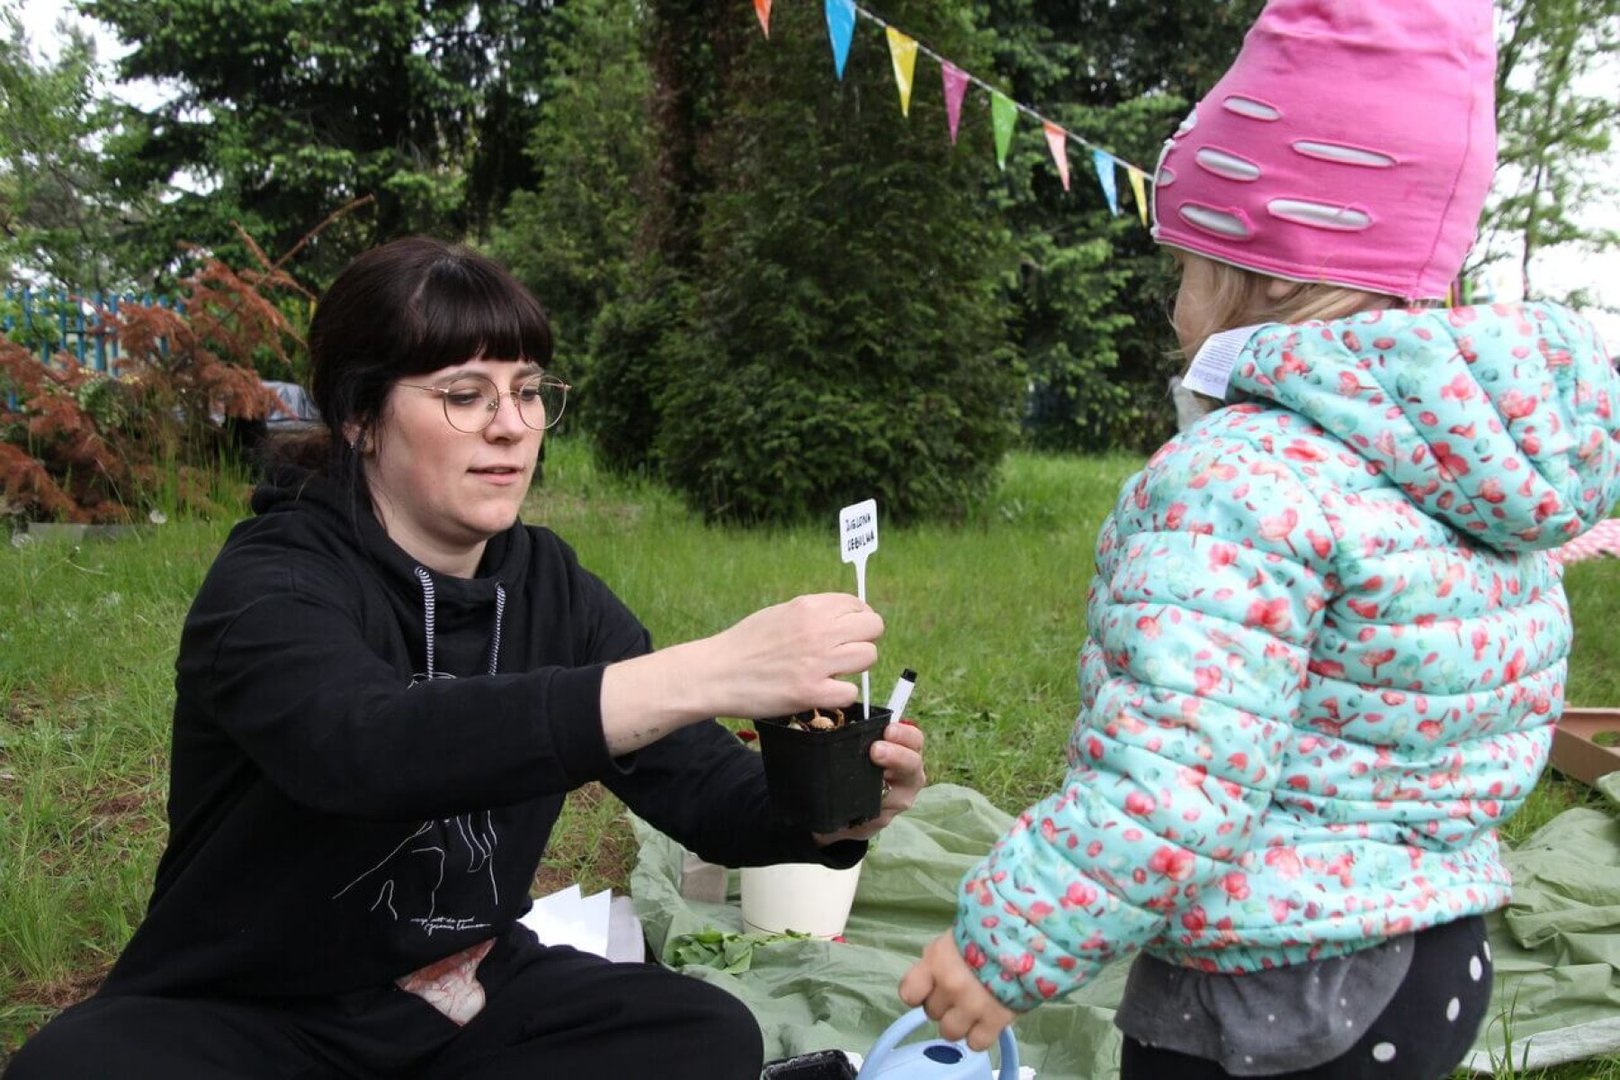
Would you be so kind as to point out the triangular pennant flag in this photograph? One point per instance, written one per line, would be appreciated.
(1002, 114)
(1103, 162)
(840, 28)
(955, 87)
(762, 8)
(903, 51)
(1057, 140)
(1139, 189)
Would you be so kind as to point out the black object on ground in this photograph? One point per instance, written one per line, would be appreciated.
(821, 1065)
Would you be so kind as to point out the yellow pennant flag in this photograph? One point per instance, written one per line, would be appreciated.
(1139, 189)
(903, 51)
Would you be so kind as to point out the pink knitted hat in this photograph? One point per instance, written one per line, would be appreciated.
(1352, 142)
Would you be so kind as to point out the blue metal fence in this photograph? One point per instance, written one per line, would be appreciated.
(81, 325)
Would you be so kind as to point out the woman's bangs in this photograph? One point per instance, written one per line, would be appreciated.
(462, 313)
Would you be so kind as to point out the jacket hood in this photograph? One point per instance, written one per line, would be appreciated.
(1499, 420)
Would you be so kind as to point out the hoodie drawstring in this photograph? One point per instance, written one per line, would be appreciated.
(495, 639)
(427, 614)
(429, 618)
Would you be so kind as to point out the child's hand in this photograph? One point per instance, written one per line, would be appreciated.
(943, 984)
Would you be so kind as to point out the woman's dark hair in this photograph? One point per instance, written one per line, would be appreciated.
(406, 308)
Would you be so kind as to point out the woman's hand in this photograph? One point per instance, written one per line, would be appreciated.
(788, 657)
(899, 754)
(952, 995)
(779, 660)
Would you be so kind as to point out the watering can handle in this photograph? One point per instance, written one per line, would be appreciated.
(914, 1019)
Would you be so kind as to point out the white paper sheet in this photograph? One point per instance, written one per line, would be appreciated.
(565, 917)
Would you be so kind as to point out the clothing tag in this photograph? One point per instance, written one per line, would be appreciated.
(1211, 369)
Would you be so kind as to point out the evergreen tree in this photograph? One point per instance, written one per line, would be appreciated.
(570, 236)
(1093, 289)
(289, 109)
(824, 316)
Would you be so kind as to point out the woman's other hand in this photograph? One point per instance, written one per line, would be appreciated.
(900, 754)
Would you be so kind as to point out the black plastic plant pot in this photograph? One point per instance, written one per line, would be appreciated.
(824, 780)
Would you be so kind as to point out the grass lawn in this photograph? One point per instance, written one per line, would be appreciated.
(987, 611)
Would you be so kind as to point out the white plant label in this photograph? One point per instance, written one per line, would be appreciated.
(858, 538)
(857, 535)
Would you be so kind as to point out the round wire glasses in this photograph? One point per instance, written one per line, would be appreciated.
(471, 401)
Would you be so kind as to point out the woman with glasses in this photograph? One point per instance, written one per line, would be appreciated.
(385, 688)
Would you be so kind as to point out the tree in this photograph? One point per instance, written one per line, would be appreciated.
(80, 445)
(818, 313)
(1556, 113)
(623, 253)
(287, 109)
(1090, 295)
(570, 236)
(62, 218)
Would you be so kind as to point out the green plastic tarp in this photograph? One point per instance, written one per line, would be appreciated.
(1555, 948)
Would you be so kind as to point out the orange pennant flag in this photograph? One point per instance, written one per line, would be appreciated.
(1057, 139)
(762, 8)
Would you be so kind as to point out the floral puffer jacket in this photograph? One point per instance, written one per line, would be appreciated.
(1326, 647)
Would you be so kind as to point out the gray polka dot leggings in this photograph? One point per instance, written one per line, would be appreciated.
(1423, 1034)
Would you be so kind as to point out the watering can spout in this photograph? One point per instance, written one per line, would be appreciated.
(937, 1059)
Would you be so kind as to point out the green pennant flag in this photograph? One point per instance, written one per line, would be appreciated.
(1002, 114)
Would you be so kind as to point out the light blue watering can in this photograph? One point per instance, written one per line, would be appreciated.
(937, 1059)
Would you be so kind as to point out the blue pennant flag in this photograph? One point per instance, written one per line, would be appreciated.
(840, 27)
(1103, 162)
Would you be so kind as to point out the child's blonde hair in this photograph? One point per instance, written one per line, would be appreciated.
(1240, 299)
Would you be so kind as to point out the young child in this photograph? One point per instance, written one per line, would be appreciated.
(1326, 645)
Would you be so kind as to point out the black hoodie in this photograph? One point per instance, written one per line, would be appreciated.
(368, 757)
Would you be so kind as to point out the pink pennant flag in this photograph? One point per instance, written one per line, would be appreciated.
(956, 82)
(1057, 139)
(762, 8)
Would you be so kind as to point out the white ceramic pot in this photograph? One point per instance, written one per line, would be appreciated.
(803, 897)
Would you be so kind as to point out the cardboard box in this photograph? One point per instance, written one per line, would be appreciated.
(1576, 751)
